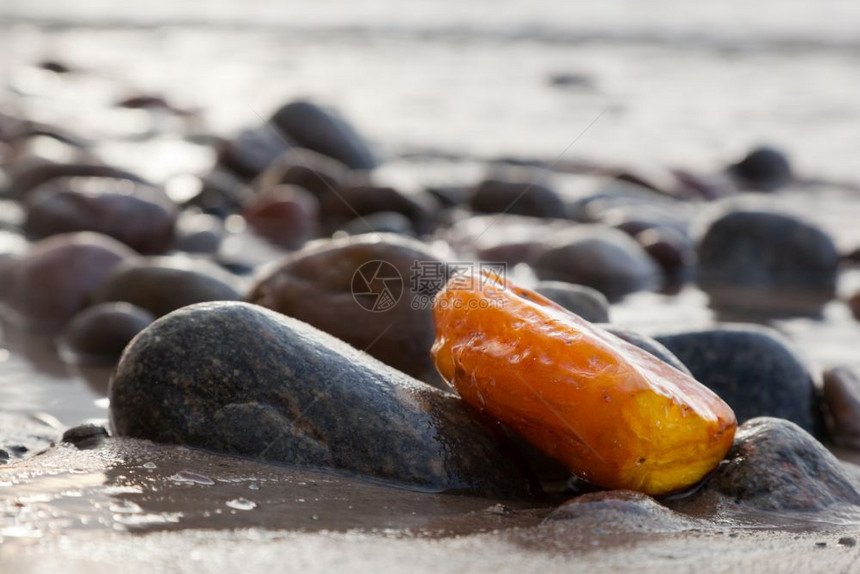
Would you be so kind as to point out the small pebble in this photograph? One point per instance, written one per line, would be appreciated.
(762, 169)
(85, 436)
(100, 333)
(186, 476)
(241, 504)
(500, 509)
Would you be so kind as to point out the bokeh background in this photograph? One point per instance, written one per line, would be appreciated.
(682, 83)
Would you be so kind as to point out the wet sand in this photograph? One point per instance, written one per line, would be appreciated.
(145, 507)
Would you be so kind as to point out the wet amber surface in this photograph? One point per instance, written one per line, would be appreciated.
(612, 413)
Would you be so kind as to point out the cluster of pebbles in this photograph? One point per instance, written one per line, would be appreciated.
(276, 358)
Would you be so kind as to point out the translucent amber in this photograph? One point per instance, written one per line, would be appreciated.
(612, 413)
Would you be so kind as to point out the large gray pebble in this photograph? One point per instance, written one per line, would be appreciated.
(776, 465)
(753, 369)
(767, 262)
(237, 378)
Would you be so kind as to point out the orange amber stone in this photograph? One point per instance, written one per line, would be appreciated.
(612, 413)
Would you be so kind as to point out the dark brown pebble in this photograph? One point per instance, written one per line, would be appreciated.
(322, 285)
(100, 333)
(287, 216)
(775, 465)
(58, 276)
(163, 284)
(140, 216)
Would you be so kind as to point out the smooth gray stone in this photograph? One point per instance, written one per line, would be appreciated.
(753, 369)
(516, 197)
(776, 465)
(603, 258)
(767, 262)
(238, 378)
(324, 131)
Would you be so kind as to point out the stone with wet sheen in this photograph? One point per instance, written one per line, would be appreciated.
(251, 151)
(620, 510)
(516, 197)
(30, 175)
(776, 465)
(380, 222)
(240, 379)
(86, 436)
(319, 174)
